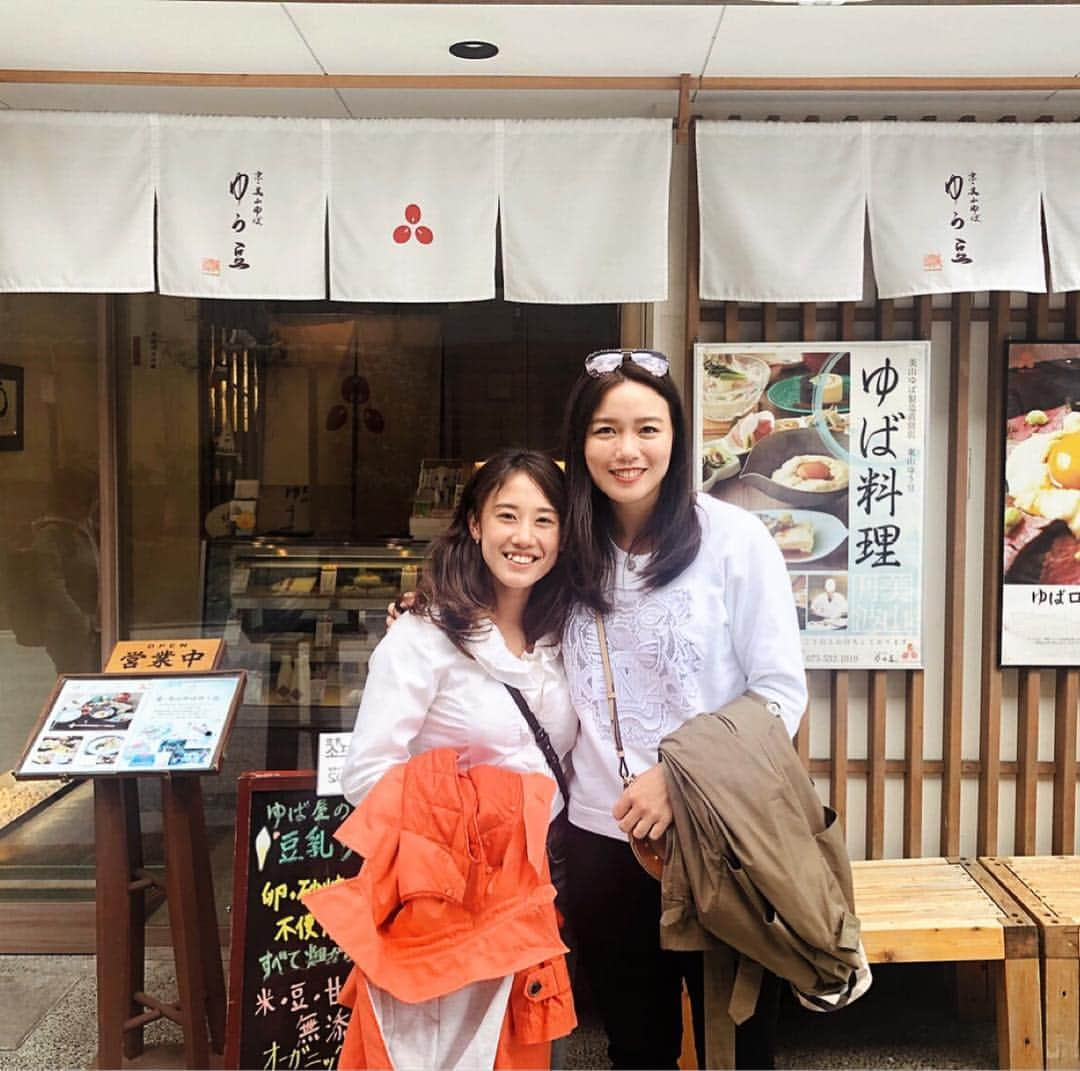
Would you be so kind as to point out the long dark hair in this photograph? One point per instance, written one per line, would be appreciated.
(455, 590)
(673, 531)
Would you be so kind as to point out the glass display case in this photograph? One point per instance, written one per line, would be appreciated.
(302, 619)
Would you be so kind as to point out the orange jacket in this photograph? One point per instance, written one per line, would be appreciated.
(454, 890)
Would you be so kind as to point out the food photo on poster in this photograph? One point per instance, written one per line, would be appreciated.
(99, 724)
(1040, 564)
(825, 444)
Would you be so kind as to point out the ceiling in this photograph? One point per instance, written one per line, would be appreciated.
(614, 39)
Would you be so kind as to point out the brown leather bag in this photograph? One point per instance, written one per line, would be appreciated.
(650, 853)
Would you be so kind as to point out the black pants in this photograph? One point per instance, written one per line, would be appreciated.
(636, 985)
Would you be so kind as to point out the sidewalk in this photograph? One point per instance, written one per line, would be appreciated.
(48, 1020)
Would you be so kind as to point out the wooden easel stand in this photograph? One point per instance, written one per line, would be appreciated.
(124, 1008)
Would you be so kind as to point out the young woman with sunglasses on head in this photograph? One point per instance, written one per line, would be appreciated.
(697, 609)
(486, 619)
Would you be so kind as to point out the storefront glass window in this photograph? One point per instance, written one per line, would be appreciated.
(49, 570)
(280, 469)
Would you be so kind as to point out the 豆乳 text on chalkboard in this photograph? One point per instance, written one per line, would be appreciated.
(286, 972)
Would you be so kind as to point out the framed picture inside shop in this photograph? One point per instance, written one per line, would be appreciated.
(1040, 563)
(827, 447)
(11, 407)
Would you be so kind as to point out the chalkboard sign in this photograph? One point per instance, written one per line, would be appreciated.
(285, 972)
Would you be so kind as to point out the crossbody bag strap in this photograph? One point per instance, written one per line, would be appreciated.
(613, 710)
(542, 740)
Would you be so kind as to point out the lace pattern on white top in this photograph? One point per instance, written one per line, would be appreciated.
(654, 663)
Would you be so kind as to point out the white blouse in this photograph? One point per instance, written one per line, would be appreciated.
(423, 693)
(724, 625)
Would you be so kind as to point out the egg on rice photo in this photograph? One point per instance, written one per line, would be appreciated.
(1041, 518)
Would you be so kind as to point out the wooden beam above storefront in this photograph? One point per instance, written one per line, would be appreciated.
(674, 83)
(683, 3)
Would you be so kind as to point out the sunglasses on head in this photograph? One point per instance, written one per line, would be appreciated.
(602, 362)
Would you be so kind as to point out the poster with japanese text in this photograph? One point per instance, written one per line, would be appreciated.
(1040, 602)
(286, 973)
(99, 724)
(825, 443)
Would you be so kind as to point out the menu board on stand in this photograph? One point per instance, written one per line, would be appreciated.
(285, 973)
(147, 719)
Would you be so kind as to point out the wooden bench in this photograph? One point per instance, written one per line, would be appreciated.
(949, 911)
(1048, 888)
(952, 911)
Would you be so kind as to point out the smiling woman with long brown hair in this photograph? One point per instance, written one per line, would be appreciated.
(697, 609)
(466, 716)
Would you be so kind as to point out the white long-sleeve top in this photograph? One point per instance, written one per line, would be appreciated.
(423, 693)
(725, 625)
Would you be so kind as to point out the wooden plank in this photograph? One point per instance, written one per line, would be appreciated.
(114, 918)
(802, 734)
(886, 318)
(931, 768)
(839, 691)
(905, 315)
(44, 927)
(682, 120)
(693, 262)
(768, 322)
(1061, 1013)
(108, 423)
(908, 866)
(808, 333)
(1047, 889)
(845, 312)
(1038, 317)
(1063, 824)
(1027, 753)
(838, 744)
(731, 321)
(932, 945)
(955, 539)
(914, 723)
(181, 858)
(802, 739)
(989, 673)
(1019, 1014)
(923, 316)
(944, 907)
(875, 788)
(338, 81)
(789, 84)
(136, 940)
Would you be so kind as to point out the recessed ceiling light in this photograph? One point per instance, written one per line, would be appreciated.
(474, 49)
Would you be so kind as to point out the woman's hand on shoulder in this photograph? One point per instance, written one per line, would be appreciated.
(399, 606)
(644, 809)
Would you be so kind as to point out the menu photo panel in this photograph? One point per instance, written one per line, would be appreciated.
(103, 724)
(1040, 564)
(825, 442)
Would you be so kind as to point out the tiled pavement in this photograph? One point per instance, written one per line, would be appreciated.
(48, 1021)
